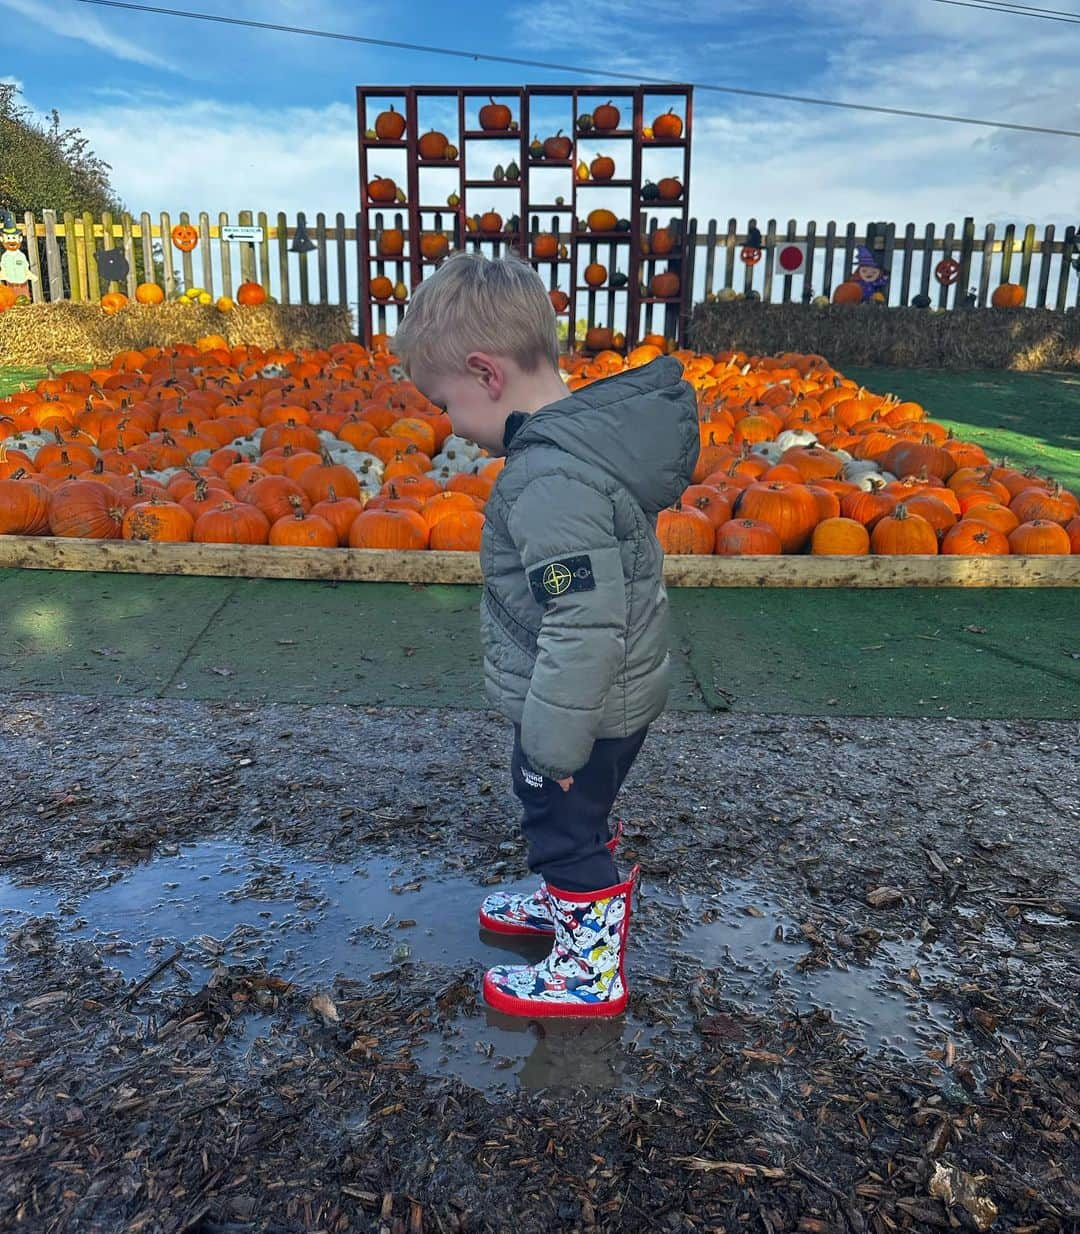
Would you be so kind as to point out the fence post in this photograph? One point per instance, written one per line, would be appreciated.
(830, 257)
(146, 239)
(808, 273)
(987, 261)
(909, 260)
(247, 251)
(730, 241)
(128, 241)
(948, 240)
(225, 254)
(37, 284)
(207, 252)
(770, 246)
(302, 260)
(967, 246)
(264, 252)
(342, 267)
(168, 273)
(52, 257)
(89, 248)
(71, 257)
(710, 259)
(1025, 256)
(1046, 257)
(1063, 274)
(320, 241)
(792, 232)
(283, 255)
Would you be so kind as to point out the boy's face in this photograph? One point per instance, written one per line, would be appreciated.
(474, 400)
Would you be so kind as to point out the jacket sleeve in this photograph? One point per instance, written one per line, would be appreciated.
(569, 526)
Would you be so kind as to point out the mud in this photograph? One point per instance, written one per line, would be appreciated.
(306, 880)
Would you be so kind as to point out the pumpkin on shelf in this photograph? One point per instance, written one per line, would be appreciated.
(558, 147)
(536, 148)
(389, 529)
(381, 287)
(650, 191)
(664, 285)
(595, 274)
(667, 126)
(381, 189)
(434, 245)
(560, 301)
(602, 167)
(495, 117)
(1008, 295)
(233, 522)
(157, 520)
(598, 338)
(970, 538)
(432, 145)
(491, 220)
(302, 529)
(670, 188)
(605, 117)
(601, 220)
(659, 243)
(545, 246)
(390, 125)
(391, 242)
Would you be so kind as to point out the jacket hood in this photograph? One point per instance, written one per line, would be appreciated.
(641, 427)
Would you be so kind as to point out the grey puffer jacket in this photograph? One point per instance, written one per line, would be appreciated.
(574, 612)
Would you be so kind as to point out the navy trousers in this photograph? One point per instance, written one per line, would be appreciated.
(567, 832)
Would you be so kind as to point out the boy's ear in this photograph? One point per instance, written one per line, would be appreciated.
(488, 371)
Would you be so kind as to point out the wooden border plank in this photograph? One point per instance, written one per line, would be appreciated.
(127, 228)
(205, 253)
(168, 270)
(374, 565)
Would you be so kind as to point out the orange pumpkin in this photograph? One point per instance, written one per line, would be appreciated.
(545, 246)
(848, 293)
(389, 529)
(149, 293)
(685, 530)
(434, 245)
(390, 125)
(113, 301)
(158, 520)
(665, 285)
(185, 237)
(667, 126)
(606, 117)
(903, 533)
(432, 145)
(670, 188)
(381, 287)
(601, 220)
(790, 509)
(602, 167)
(741, 537)
(303, 529)
(458, 532)
(1039, 536)
(495, 117)
(971, 538)
(381, 189)
(251, 293)
(391, 242)
(840, 537)
(560, 301)
(661, 242)
(1008, 295)
(595, 274)
(491, 220)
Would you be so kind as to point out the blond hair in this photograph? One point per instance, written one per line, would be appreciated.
(472, 303)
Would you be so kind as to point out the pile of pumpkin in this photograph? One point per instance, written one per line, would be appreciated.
(331, 448)
(796, 458)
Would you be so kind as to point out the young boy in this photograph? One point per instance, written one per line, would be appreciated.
(574, 611)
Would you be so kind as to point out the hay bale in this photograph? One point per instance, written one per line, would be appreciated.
(63, 334)
(1024, 340)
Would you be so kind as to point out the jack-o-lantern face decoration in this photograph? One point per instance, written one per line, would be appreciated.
(185, 237)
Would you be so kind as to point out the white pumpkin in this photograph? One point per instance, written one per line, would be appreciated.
(460, 446)
(795, 437)
(768, 449)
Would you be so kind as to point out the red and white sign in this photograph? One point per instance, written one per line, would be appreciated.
(790, 258)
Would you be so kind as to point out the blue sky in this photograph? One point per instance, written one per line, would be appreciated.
(198, 116)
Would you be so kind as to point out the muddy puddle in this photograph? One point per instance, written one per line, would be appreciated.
(328, 926)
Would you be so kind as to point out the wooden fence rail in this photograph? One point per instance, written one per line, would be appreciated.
(63, 258)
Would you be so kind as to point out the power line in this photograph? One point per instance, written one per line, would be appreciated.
(577, 69)
(1018, 10)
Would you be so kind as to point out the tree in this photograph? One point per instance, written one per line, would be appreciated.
(46, 167)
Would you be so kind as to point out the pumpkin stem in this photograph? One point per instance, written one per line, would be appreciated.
(900, 512)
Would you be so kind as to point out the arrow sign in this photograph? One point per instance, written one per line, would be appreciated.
(249, 235)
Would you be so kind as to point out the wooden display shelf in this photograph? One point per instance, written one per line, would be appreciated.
(375, 565)
(572, 100)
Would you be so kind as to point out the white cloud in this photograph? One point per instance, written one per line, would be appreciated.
(75, 22)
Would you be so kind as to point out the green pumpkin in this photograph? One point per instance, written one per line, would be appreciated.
(922, 302)
(622, 225)
(584, 123)
(498, 173)
(536, 148)
(513, 172)
(649, 191)
(618, 279)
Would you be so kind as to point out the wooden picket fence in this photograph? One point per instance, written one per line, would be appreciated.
(63, 258)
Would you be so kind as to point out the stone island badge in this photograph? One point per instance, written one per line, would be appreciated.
(559, 578)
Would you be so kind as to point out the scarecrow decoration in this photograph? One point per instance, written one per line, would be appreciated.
(14, 268)
(869, 274)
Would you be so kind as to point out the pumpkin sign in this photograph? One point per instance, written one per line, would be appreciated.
(185, 237)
